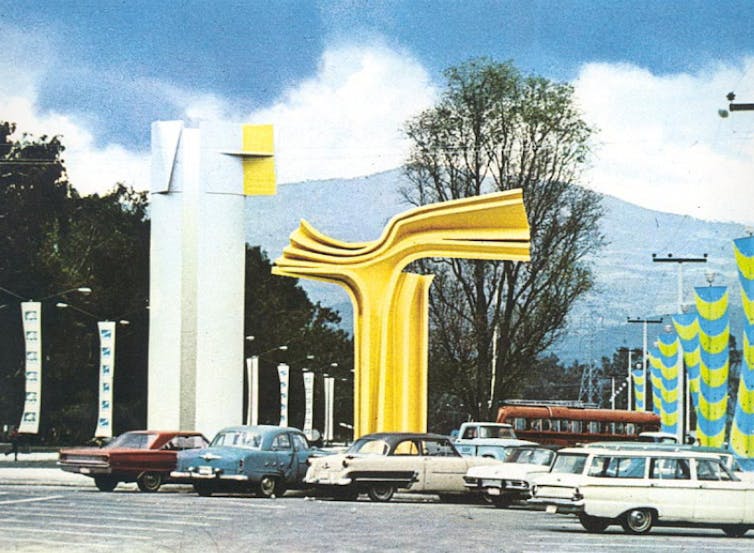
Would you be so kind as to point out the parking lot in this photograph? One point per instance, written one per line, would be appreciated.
(69, 517)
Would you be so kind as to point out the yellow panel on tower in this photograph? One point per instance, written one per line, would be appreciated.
(258, 160)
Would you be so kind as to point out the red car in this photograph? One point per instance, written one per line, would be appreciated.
(144, 456)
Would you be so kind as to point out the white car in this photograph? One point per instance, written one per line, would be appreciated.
(642, 488)
(379, 464)
(502, 484)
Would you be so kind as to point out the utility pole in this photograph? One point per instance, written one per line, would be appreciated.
(645, 322)
(683, 377)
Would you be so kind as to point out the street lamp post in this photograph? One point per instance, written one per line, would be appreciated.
(644, 322)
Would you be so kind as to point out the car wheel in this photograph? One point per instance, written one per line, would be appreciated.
(268, 486)
(594, 525)
(149, 481)
(105, 483)
(381, 492)
(203, 488)
(638, 521)
(735, 530)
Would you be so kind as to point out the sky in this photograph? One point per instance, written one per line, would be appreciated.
(338, 80)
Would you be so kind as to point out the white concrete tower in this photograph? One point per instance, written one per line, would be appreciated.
(200, 177)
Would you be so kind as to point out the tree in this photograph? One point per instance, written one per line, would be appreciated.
(495, 129)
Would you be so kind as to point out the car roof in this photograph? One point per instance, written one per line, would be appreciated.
(660, 447)
(396, 436)
(639, 452)
(261, 428)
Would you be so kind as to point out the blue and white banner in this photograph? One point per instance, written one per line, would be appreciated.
(252, 377)
(309, 404)
(284, 373)
(106, 379)
(31, 318)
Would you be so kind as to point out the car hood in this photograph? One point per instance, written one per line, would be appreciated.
(517, 471)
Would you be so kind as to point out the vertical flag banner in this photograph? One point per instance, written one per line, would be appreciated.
(329, 397)
(714, 331)
(31, 318)
(671, 372)
(309, 404)
(655, 379)
(687, 327)
(284, 374)
(742, 429)
(252, 377)
(640, 387)
(106, 379)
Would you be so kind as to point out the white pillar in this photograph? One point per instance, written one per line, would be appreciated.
(252, 377)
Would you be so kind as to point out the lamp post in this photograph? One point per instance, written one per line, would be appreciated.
(644, 322)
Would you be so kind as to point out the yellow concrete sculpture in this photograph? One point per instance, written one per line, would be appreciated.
(390, 306)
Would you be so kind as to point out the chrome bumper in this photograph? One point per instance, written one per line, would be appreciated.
(186, 475)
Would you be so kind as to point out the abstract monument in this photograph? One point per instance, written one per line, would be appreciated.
(390, 306)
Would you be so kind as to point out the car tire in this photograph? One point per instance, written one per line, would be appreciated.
(593, 525)
(381, 492)
(150, 481)
(204, 489)
(269, 487)
(735, 530)
(105, 483)
(637, 521)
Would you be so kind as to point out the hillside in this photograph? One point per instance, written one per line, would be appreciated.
(629, 283)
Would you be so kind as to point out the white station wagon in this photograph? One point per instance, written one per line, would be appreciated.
(639, 489)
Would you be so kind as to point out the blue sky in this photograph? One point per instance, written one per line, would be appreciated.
(339, 78)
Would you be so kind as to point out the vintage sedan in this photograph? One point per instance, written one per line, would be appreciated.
(379, 464)
(510, 481)
(263, 459)
(144, 456)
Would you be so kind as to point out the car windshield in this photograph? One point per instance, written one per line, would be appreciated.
(531, 456)
(133, 440)
(569, 463)
(496, 432)
(370, 447)
(238, 438)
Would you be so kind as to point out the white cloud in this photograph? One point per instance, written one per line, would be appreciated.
(662, 143)
(346, 121)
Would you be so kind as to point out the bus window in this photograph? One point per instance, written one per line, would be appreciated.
(574, 426)
(546, 424)
(620, 428)
(519, 423)
(593, 427)
(631, 429)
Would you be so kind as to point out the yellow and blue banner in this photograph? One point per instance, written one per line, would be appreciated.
(742, 428)
(714, 333)
(687, 327)
(655, 379)
(670, 362)
(640, 389)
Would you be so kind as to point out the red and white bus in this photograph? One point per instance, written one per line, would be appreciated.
(567, 423)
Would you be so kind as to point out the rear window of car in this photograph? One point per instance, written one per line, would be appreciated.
(370, 447)
(569, 463)
(132, 440)
(248, 440)
(532, 456)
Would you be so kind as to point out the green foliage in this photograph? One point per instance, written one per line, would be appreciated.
(496, 129)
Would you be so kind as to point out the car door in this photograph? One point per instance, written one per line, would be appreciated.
(719, 497)
(285, 459)
(302, 451)
(671, 488)
(444, 469)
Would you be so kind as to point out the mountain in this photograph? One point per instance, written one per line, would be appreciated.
(628, 282)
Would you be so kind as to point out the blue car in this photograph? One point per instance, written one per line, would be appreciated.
(266, 460)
